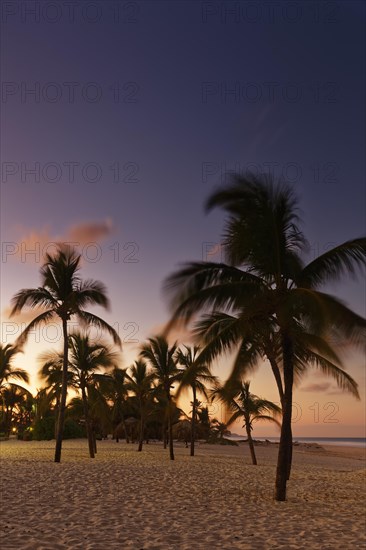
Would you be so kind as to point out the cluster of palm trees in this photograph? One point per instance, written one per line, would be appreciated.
(136, 402)
(15, 399)
(264, 303)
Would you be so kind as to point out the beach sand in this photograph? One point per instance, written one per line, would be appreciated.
(217, 500)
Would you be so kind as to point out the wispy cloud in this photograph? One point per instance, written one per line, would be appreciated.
(33, 244)
(90, 232)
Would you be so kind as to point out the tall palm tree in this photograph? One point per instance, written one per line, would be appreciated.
(7, 371)
(64, 295)
(259, 341)
(265, 293)
(195, 374)
(86, 359)
(163, 360)
(244, 404)
(141, 386)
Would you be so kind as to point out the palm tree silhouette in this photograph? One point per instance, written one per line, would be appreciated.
(13, 397)
(86, 358)
(118, 394)
(244, 404)
(7, 371)
(195, 374)
(163, 360)
(51, 372)
(266, 295)
(64, 295)
(140, 383)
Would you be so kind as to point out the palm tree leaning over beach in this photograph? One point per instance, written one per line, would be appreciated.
(86, 359)
(195, 375)
(140, 383)
(244, 404)
(63, 295)
(163, 360)
(265, 293)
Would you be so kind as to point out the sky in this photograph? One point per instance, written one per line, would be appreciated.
(118, 119)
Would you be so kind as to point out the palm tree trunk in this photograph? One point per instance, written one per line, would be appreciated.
(193, 421)
(141, 434)
(61, 415)
(57, 413)
(289, 456)
(164, 433)
(94, 441)
(170, 429)
(87, 423)
(9, 414)
(285, 447)
(277, 375)
(125, 428)
(250, 441)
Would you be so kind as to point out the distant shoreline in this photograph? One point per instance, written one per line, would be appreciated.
(357, 442)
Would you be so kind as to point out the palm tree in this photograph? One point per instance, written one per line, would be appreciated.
(243, 403)
(13, 397)
(195, 375)
(51, 372)
(64, 295)
(204, 420)
(160, 411)
(218, 430)
(7, 371)
(86, 359)
(162, 359)
(118, 394)
(141, 386)
(259, 341)
(266, 295)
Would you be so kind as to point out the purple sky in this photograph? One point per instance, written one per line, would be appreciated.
(156, 102)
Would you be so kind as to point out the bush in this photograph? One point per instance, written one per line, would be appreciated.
(44, 428)
(73, 430)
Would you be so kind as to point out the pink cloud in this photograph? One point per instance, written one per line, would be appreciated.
(33, 245)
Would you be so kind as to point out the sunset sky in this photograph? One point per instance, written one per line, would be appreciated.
(116, 125)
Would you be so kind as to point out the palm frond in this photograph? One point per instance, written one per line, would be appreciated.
(346, 258)
(88, 319)
(33, 298)
(40, 319)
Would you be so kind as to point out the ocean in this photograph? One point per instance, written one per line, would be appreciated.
(340, 441)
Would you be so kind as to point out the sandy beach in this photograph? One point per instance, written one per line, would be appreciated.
(129, 500)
